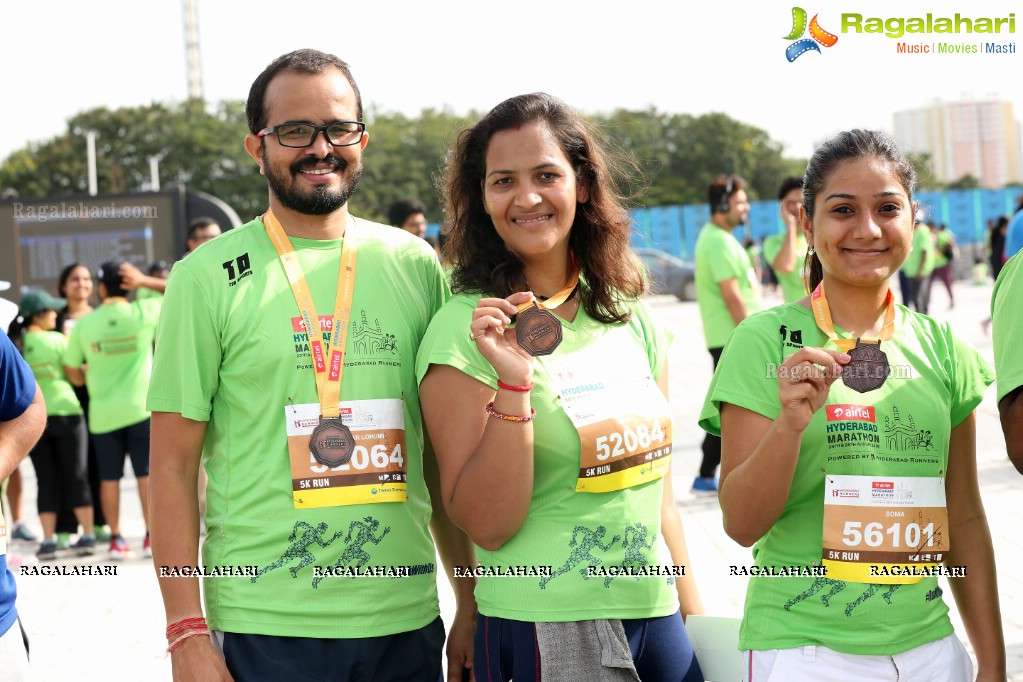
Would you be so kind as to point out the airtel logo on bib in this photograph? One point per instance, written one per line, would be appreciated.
(841, 413)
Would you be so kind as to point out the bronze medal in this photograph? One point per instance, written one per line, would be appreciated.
(538, 331)
(332, 443)
(869, 367)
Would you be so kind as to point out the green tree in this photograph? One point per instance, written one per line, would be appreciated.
(199, 147)
(926, 180)
(968, 181)
(675, 155)
(404, 159)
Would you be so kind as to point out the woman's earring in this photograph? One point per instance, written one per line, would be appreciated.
(810, 251)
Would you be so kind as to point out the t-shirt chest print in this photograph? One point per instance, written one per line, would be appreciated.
(370, 343)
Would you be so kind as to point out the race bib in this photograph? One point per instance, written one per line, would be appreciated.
(624, 424)
(884, 529)
(377, 470)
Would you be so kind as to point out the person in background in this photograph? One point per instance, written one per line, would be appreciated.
(727, 290)
(996, 244)
(22, 420)
(200, 231)
(919, 264)
(787, 250)
(59, 457)
(866, 605)
(75, 285)
(753, 249)
(409, 215)
(111, 352)
(945, 252)
(158, 270)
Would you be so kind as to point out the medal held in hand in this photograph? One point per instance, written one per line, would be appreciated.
(332, 443)
(869, 367)
(538, 331)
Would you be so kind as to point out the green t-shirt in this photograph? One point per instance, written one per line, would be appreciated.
(792, 286)
(720, 256)
(232, 351)
(565, 529)
(922, 250)
(143, 293)
(115, 341)
(900, 429)
(943, 241)
(1007, 324)
(44, 352)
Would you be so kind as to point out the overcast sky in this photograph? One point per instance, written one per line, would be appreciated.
(61, 57)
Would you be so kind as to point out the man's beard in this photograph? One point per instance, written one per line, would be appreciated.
(322, 199)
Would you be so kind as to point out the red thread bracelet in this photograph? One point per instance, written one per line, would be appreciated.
(510, 417)
(526, 388)
(185, 624)
(180, 640)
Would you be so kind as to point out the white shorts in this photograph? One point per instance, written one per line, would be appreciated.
(944, 660)
(14, 658)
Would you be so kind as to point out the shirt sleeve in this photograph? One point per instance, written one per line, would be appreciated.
(657, 337)
(186, 362)
(971, 377)
(447, 343)
(746, 374)
(17, 383)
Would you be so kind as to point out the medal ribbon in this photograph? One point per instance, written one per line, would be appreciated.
(822, 313)
(328, 376)
(558, 298)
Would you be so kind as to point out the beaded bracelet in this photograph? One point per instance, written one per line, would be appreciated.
(526, 388)
(510, 417)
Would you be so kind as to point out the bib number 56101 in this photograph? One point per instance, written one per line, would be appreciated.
(873, 534)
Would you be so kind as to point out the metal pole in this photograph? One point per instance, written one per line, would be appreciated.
(154, 173)
(90, 146)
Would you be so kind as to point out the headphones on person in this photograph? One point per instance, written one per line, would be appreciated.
(724, 202)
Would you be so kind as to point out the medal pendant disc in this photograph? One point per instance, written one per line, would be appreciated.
(868, 370)
(538, 331)
(332, 443)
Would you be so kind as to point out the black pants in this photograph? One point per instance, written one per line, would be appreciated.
(711, 444)
(404, 657)
(67, 522)
(59, 459)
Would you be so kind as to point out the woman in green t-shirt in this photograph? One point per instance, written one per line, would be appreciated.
(852, 464)
(554, 437)
(59, 458)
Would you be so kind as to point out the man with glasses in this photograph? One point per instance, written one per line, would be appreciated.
(786, 251)
(285, 364)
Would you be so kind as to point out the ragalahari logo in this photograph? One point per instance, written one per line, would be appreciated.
(817, 35)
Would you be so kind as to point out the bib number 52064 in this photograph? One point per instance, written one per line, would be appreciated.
(628, 441)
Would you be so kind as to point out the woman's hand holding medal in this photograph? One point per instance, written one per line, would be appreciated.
(804, 380)
(497, 343)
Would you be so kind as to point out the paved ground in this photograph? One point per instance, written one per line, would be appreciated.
(99, 628)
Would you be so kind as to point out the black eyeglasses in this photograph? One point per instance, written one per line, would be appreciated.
(339, 133)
